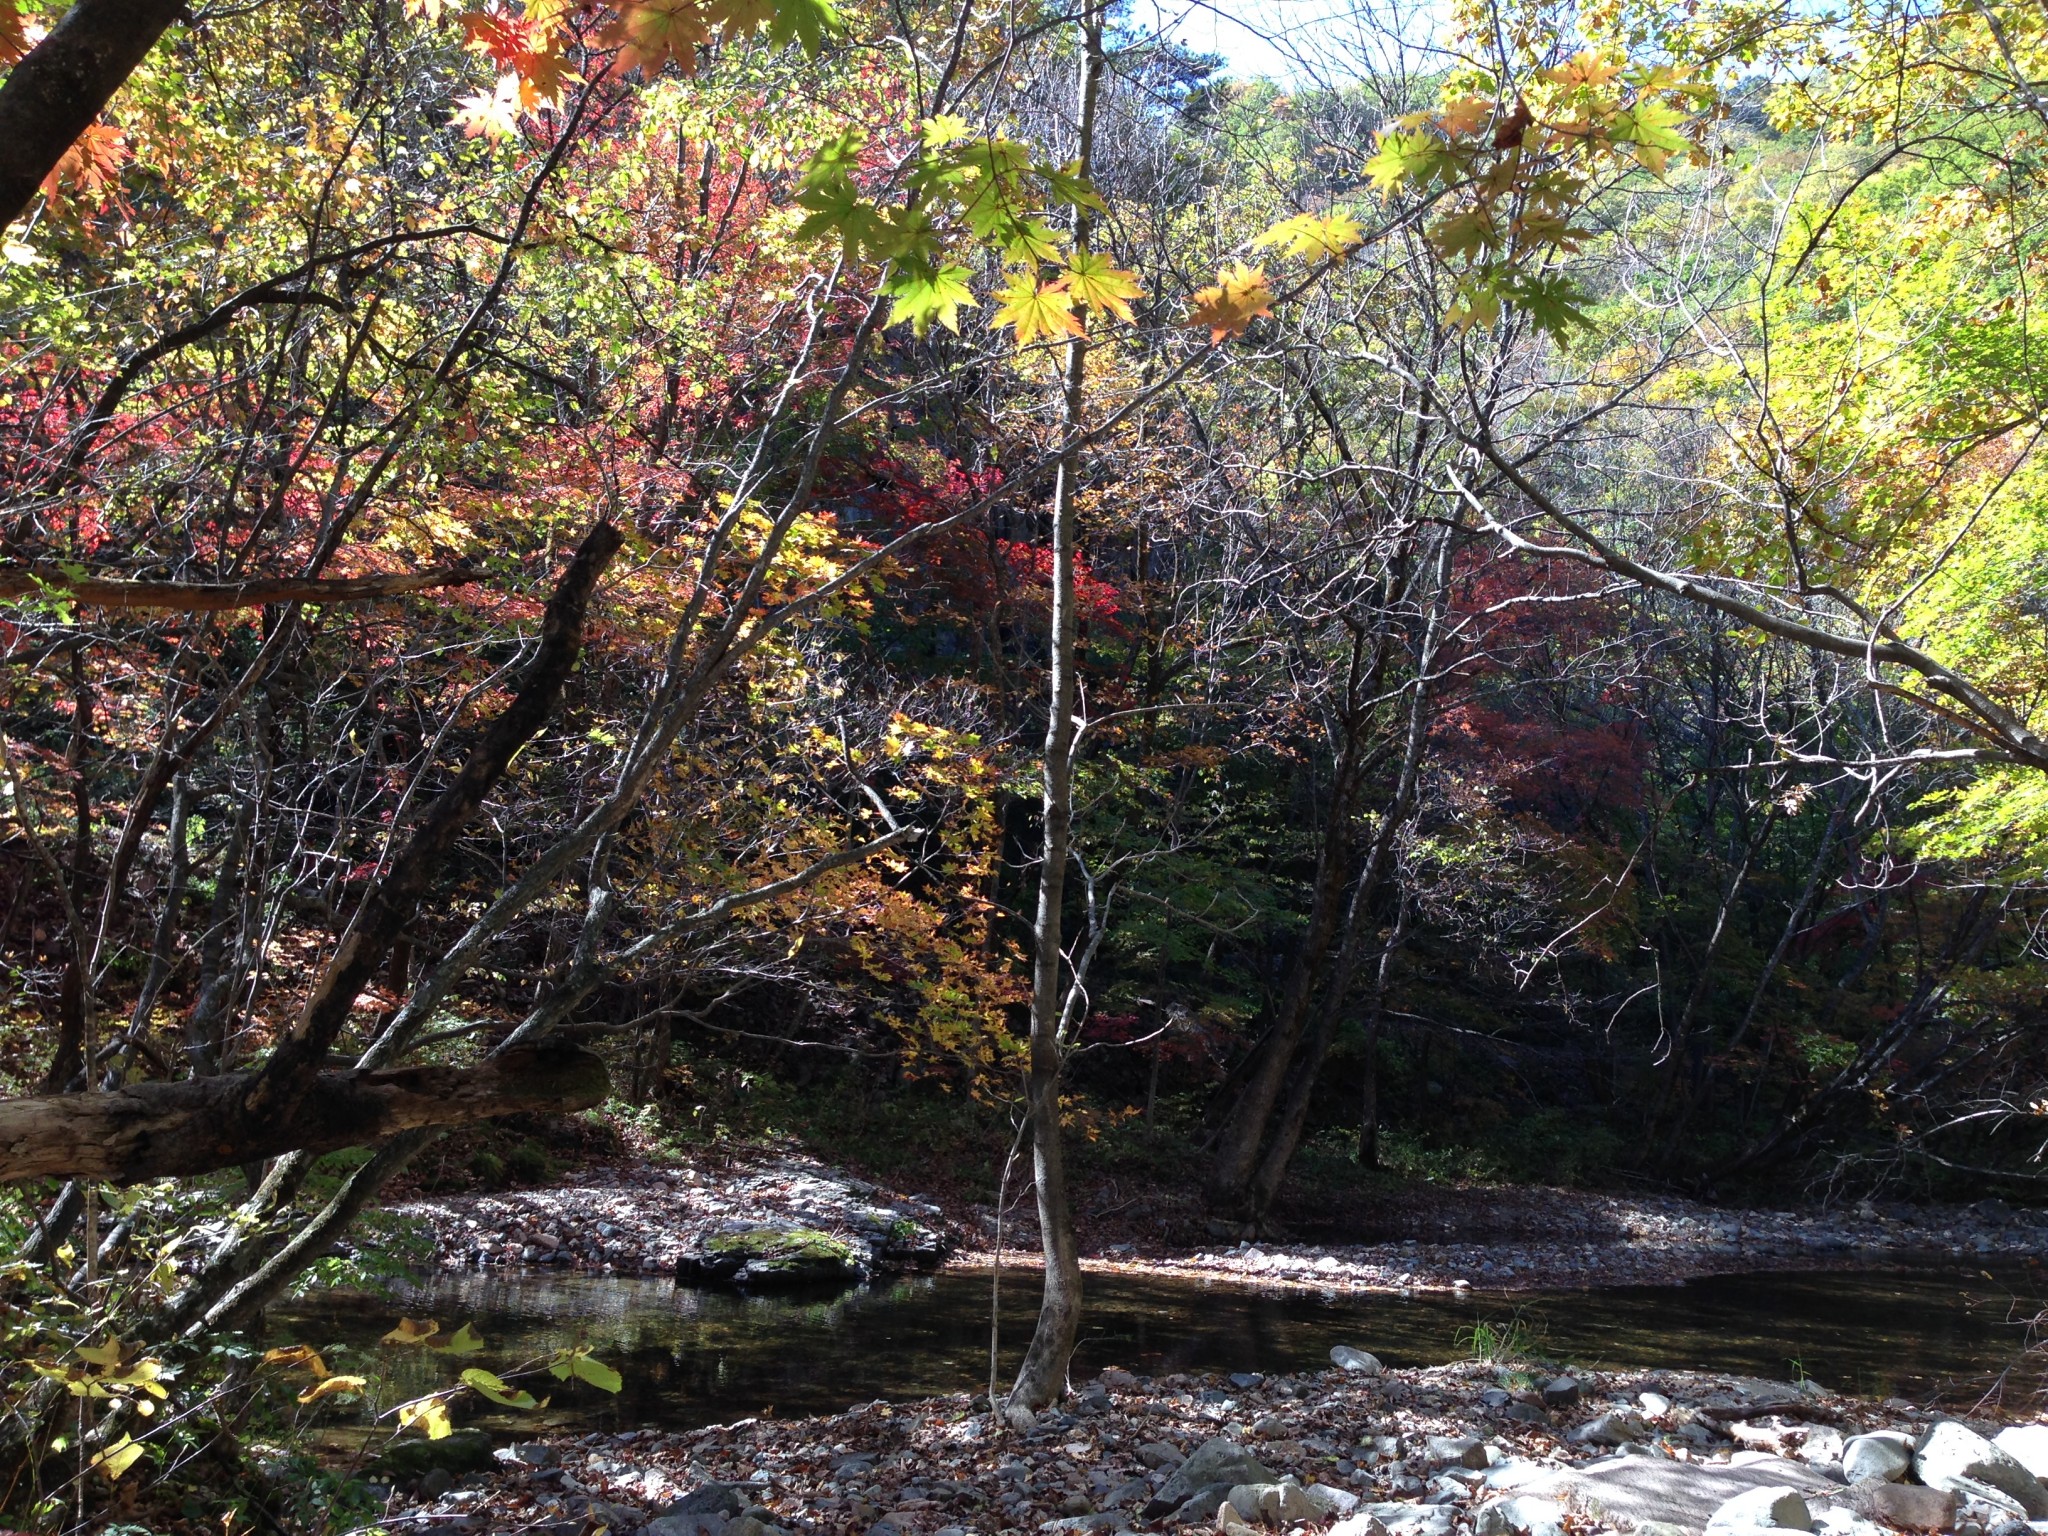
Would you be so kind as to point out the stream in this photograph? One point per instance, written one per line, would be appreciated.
(692, 1357)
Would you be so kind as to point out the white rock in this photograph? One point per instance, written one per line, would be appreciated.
(1882, 1454)
(1349, 1359)
(1822, 1447)
(1655, 1404)
(1768, 1508)
(1955, 1457)
(1620, 1426)
(2026, 1444)
(1280, 1503)
(1331, 1501)
(1522, 1515)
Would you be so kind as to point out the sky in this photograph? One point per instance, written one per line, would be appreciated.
(1295, 42)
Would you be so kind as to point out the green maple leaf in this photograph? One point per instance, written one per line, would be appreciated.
(1407, 157)
(1550, 300)
(923, 295)
(1096, 281)
(807, 22)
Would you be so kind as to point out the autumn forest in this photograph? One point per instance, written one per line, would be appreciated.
(994, 596)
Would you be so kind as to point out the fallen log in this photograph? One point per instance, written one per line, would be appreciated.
(161, 1130)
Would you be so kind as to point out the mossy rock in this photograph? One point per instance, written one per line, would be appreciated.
(766, 1258)
(466, 1450)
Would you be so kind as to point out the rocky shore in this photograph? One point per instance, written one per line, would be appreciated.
(1353, 1450)
(706, 1222)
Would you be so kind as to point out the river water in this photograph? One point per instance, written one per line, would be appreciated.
(693, 1357)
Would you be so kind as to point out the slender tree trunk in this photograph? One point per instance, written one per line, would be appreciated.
(1293, 1117)
(1042, 1377)
(1266, 1074)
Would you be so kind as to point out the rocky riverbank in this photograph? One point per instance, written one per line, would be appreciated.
(706, 1219)
(1354, 1450)
(769, 1219)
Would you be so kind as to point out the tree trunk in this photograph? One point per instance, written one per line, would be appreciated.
(1293, 1117)
(59, 87)
(159, 1130)
(1042, 1378)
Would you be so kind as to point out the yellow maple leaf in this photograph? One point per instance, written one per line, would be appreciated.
(412, 1330)
(1316, 236)
(1241, 294)
(491, 115)
(1585, 68)
(1036, 309)
(1466, 115)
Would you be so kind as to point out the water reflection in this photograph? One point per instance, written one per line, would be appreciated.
(696, 1357)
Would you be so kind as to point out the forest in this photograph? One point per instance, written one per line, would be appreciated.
(1190, 660)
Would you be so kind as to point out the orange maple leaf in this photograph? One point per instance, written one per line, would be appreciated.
(1241, 294)
(650, 32)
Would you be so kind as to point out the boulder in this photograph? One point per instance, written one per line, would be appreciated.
(712, 1499)
(1633, 1490)
(1561, 1392)
(1344, 1357)
(1618, 1426)
(1457, 1451)
(1955, 1457)
(1219, 1463)
(1280, 1503)
(705, 1524)
(1520, 1515)
(1135, 1491)
(1398, 1520)
(767, 1258)
(1158, 1453)
(2026, 1444)
(1772, 1507)
(1903, 1506)
(1882, 1455)
(1331, 1501)
(1822, 1447)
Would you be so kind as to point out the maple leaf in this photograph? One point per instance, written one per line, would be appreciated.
(805, 22)
(938, 131)
(1407, 157)
(649, 33)
(90, 169)
(1092, 279)
(1240, 295)
(922, 296)
(1036, 309)
(1465, 235)
(1332, 235)
(1585, 68)
(740, 18)
(1465, 116)
(490, 114)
